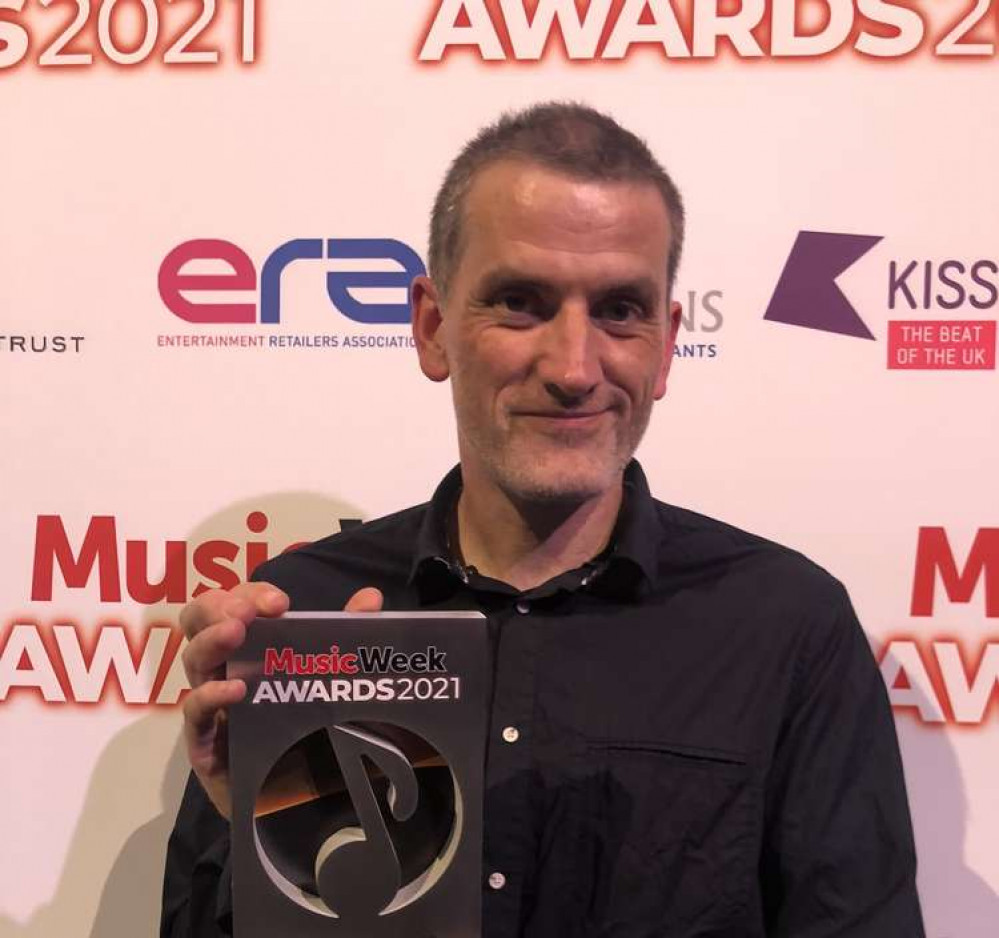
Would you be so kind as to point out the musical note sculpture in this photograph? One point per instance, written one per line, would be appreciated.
(357, 801)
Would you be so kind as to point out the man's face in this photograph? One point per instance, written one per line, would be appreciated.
(556, 331)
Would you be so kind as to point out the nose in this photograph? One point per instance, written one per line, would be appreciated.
(569, 362)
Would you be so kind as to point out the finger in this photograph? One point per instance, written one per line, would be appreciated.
(201, 612)
(210, 649)
(367, 599)
(265, 599)
(201, 709)
(245, 601)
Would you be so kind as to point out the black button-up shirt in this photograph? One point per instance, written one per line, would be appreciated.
(688, 737)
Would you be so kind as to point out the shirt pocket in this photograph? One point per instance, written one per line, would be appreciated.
(669, 839)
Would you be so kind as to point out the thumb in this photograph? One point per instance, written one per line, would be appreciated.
(367, 599)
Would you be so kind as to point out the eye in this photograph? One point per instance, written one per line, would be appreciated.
(517, 301)
(518, 304)
(620, 311)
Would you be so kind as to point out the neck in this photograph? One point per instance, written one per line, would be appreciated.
(526, 543)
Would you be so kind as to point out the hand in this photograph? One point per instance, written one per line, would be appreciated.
(215, 625)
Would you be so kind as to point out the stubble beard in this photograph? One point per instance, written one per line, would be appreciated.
(542, 469)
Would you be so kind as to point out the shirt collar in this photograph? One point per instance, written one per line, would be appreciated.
(435, 568)
(623, 570)
(637, 533)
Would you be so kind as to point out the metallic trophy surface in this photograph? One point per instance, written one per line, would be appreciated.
(357, 770)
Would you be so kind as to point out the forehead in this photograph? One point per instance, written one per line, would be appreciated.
(524, 214)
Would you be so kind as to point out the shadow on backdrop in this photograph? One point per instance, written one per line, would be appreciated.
(957, 902)
(112, 879)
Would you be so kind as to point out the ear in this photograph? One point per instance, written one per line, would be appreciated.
(675, 312)
(428, 321)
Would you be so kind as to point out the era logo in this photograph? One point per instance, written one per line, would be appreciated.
(242, 276)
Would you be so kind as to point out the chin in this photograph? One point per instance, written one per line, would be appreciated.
(567, 478)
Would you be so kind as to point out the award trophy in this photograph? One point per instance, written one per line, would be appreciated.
(356, 761)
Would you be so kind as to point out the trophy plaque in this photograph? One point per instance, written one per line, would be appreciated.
(356, 764)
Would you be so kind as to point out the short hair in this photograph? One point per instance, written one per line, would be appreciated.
(566, 137)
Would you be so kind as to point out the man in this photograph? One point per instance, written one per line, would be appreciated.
(688, 734)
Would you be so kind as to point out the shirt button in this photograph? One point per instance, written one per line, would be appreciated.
(497, 880)
(511, 734)
(523, 608)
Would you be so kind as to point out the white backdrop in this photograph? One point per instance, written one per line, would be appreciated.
(127, 429)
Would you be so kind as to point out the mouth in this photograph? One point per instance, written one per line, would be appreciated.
(565, 419)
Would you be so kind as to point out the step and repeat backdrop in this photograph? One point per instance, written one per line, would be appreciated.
(191, 379)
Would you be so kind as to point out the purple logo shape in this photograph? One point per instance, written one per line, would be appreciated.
(807, 295)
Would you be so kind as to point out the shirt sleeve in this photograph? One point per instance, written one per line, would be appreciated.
(197, 894)
(838, 858)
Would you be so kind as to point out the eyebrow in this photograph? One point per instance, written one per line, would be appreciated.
(509, 277)
(643, 287)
